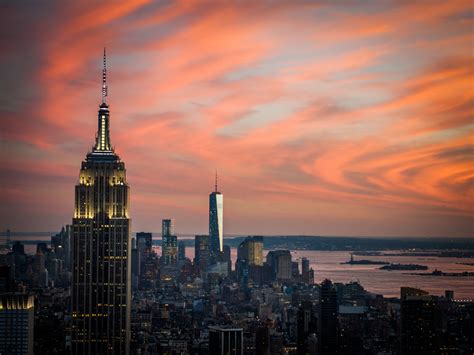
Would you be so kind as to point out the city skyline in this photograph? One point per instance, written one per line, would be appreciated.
(322, 120)
(329, 123)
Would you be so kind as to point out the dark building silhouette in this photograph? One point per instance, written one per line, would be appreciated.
(169, 244)
(227, 258)
(328, 321)
(306, 326)
(262, 341)
(144, 244)
(18, 248)
(42, 247)
(226, 341)
(181, 250)
(61, 245)
(7, 282)
(307, 273)
(101, 272)
(418, 322)
(201, 252)
(280, 262)
(136, 262)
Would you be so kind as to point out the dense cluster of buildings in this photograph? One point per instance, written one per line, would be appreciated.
(104, 291)
(267, 303)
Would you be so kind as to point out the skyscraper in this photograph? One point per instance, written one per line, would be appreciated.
(216, 219)
(167, 227)
(60, 243)
(144, 242)
(280, 262)
(201, 251)
(169, 245)
(328, 322)
(251, 249)
(100, 297)
(181, 251)
(306, 325)
(418, 322)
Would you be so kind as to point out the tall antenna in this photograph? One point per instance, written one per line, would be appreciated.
(216, 181)
(104, 79)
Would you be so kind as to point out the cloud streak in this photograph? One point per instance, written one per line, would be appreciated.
(321, 118)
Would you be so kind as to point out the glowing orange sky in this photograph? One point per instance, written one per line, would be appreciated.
(322, 119)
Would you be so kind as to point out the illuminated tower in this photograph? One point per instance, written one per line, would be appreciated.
(216, 217)
(100, 295)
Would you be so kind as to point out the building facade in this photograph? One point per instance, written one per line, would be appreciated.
(16, 323)
(418, 322)
(280, 262)
(251, 249)
(101, 270)
(181, 251)
(328, 319)
(144, 242)
(226, 341)
(201, 252)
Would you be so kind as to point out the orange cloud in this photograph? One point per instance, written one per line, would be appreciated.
(336, 119)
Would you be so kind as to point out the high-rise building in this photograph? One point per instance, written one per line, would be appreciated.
(169, 244)
(295, 269)
(226, 341)
(18, 248)
(42, 247)
(280, 262)
(41, 276)
(304, 266)
(306, 326)
(262, 340)
(135, 264)
(144, 244)
(167, 227)
(418, 322)
(216, 220)
(101, 272)
(227, 258)
(16, 323)
(328, 321)
(7, 282)
(60, 244)
(251, 249)
(201, 252)
(307, 273)
(181, 251)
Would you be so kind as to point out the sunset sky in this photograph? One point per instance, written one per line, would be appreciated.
(347, 119)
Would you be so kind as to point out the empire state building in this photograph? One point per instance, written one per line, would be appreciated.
(100, 299)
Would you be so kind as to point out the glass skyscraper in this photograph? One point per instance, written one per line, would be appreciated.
(169, 244)
(216, 219)
(100, 296)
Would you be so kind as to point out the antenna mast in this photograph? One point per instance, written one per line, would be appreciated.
(104, 79)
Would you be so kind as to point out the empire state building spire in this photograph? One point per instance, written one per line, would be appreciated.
(101, 249)
(102, 140)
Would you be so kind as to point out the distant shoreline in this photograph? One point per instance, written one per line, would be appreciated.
(446, 247)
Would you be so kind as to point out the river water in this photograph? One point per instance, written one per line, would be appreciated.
(327, 264)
